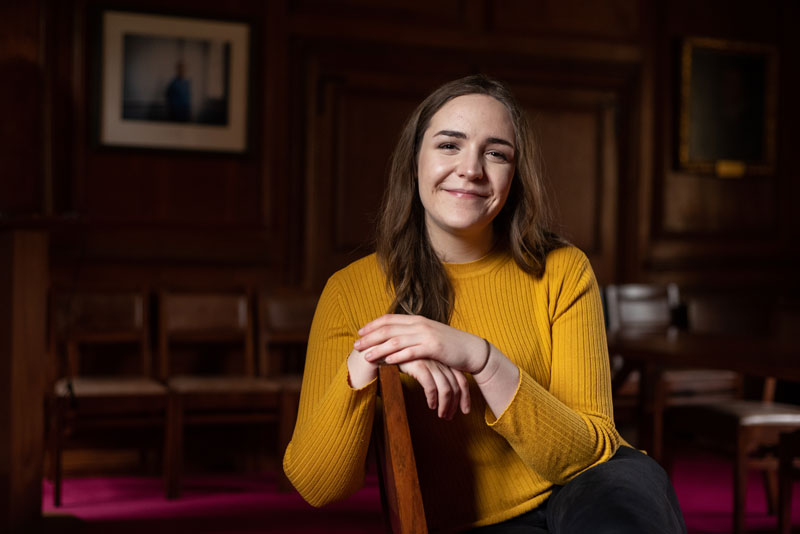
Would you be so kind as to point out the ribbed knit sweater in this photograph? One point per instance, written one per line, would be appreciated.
(475, 469)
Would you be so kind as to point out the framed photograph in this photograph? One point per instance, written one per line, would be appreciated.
(728, 105)
(173, 82)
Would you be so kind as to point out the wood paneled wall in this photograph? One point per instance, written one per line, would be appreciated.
(704, 231)
(332, 83)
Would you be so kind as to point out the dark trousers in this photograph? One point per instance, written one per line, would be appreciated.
(630, 493)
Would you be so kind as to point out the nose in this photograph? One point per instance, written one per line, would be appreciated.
(470, 165)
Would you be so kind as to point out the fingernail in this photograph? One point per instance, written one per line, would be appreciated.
(357, 343)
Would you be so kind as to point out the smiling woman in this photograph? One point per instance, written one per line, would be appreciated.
(498, 327)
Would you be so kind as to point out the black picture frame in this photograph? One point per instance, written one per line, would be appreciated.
(728, 100)
(173, 82)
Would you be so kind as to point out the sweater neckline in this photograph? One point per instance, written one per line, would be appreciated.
(493, 259)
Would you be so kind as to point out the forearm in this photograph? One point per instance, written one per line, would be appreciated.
(498, 380)
(557, 440)
(325, 459)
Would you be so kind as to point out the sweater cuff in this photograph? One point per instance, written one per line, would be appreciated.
(344, 374)
(366, 387)
(489, 417)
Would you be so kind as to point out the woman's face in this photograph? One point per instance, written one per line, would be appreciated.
(465, 166)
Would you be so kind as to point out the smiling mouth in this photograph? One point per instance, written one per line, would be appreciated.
(461, 193)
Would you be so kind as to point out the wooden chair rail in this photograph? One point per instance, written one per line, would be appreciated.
(400, 493)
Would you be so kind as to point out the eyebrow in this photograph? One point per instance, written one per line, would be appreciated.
(462, 135)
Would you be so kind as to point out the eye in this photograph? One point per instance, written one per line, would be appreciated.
(497, 155)
(448, 146)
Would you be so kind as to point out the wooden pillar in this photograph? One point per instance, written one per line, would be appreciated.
(23, 296)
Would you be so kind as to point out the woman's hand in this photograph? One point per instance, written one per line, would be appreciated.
(445, 389)
(404, 338)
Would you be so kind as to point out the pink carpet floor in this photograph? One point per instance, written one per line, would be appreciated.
(250, 505)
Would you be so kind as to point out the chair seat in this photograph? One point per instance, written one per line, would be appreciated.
(186, 384)
(109, 387)
(749, 413)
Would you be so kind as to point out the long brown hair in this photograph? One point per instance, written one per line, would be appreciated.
(413, 269)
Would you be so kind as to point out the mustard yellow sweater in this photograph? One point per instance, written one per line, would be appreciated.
(476, 469)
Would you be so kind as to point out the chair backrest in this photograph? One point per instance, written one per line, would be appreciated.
(397, 468)
(735, 315)
(94, 317)
(726, 313)
(205, 317)
(284, 322)
(645, 308)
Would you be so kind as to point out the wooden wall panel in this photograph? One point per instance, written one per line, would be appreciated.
(358, 115)
(21, 90)
(171, 186)
(23, 298)
(615, 20)
(358, 109)
(431, 14)
(710, 205)
(369, 61)
(176, 210)
(368, 126)
(579, 150)
(704, 229)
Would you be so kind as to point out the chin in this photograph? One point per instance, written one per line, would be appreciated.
(468, 227)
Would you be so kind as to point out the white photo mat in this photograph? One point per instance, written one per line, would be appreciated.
(118, 131)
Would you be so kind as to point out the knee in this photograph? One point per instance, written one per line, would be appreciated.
(628, 471)
(628, 493)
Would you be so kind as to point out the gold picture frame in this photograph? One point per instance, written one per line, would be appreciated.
(728, 108)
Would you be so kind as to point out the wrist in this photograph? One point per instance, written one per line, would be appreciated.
(360, 372)
(486, 359)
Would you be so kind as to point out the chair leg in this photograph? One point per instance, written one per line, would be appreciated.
(785, 490)
(770, 477)
(173, 445)
(647, 385)
(56, 446)
(740, 483)
(659, 405)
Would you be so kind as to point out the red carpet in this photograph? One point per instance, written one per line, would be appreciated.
(210, 504)
(250, 505)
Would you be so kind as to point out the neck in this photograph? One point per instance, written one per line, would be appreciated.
(461, 248)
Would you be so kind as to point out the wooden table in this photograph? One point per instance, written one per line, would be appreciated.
(653, 354)
(757, 356)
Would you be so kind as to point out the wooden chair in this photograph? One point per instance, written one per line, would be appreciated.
(284, 322)
(230, 393)
(788, 472)
(649, 309)
(284, 318)
(397, 468)
(747, 430)
(101, 407)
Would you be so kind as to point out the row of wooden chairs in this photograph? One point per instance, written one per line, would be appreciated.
(125, 396)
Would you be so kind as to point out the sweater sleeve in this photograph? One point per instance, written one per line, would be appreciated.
(326, 457)
(565, 428)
